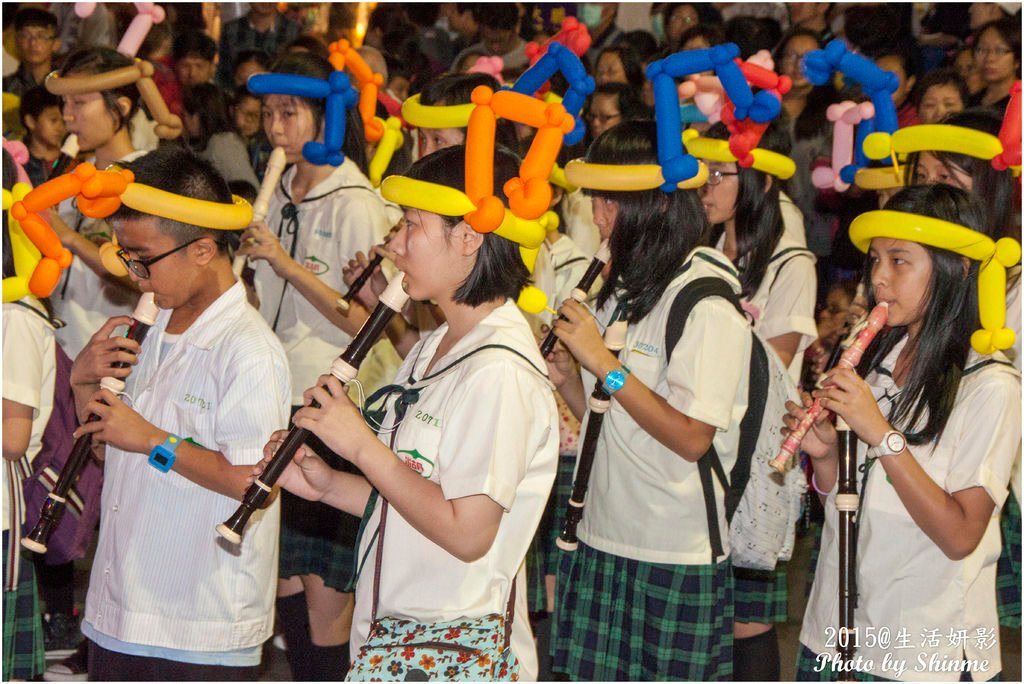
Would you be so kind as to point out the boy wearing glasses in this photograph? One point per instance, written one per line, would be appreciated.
(169, 600)
(35, 34)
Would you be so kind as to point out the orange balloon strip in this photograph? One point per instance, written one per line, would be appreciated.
(344, 56)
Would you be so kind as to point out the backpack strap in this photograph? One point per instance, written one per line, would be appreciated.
(790, 253)
(709, 466)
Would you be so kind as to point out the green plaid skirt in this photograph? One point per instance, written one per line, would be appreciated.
(808, 669)
(621, 619)
(1008, 579)
(24, 652)
(542, 557)
(761, 597)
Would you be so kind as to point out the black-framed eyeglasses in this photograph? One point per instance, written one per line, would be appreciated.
(140, 267)
(715, 176)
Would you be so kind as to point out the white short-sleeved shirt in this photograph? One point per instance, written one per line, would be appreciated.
(645, 501)
(905, 581)
(83, 299)
(487, 426)
(162, 576)
(340, 216)
(29, 373)
(784, 302)
(558, 269)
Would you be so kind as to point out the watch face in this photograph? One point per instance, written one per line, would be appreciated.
(895, 442)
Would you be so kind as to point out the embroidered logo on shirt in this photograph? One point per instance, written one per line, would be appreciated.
(430, 420)
(201, 403)
(315, 266)
(323, 231)
(418, 462)
(646, 349)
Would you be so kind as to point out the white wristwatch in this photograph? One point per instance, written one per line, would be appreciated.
(893, 442)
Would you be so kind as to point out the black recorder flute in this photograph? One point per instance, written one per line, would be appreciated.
(344, 302)
(580, 291)
(599, 402)
(56, 501)
(344, 368)
(847, 503)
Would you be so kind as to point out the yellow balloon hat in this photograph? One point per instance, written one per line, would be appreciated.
(935, 138)
(766, 161)
(436, 116)
(625, 178)
(995, 258)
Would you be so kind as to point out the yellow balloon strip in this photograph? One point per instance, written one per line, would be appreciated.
(881, 178)
(196, 212)
(390, 141)
(614, 177)
(934, 137)
(995, 258)
(436, 116)
(766, 161)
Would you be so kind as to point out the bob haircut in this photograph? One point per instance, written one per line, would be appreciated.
(499, 270)
(315, 66)
(99, 60)
(950, 316)
(654, 231)
(995, 191)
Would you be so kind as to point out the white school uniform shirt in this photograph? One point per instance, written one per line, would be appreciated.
(83, 299)
(162, 576)
(30, 369)
(784, 302)
(645, 501)
(488, 426)
(905, 581)
(340, 216)
(558, 269)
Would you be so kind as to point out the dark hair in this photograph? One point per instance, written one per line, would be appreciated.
(950, 317)
(631, 63)
(642, 42)
(314, 66)
(34, 101)
(206, 101)
(707, 14)
(654, 230)
(873, 27)
(995, 191)
(499, 270)
(496, 15)
(99, 60)
(712, 33)
(194, 44)
(630, 104)
(34, 16)
(457, 89)
(947, 76)
(423, 14)
(177, 170)
(904, 49)
(1008, 29)
(752, 34)
(259, 56)
(794, 32)
(758, 214)
(308, 43)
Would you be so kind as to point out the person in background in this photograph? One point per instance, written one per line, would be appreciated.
(599, 18)
(940, 93)
(35, 34)
(997, 57)
(262, 28)
(245, 115)
(195, 58)
(619, 64)
(211, 136)
(499, 24)
(967, 66)
(812, 16)
(44, 131)
(901, 58)
(157, 49)
(609, 105)
(248, 63)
